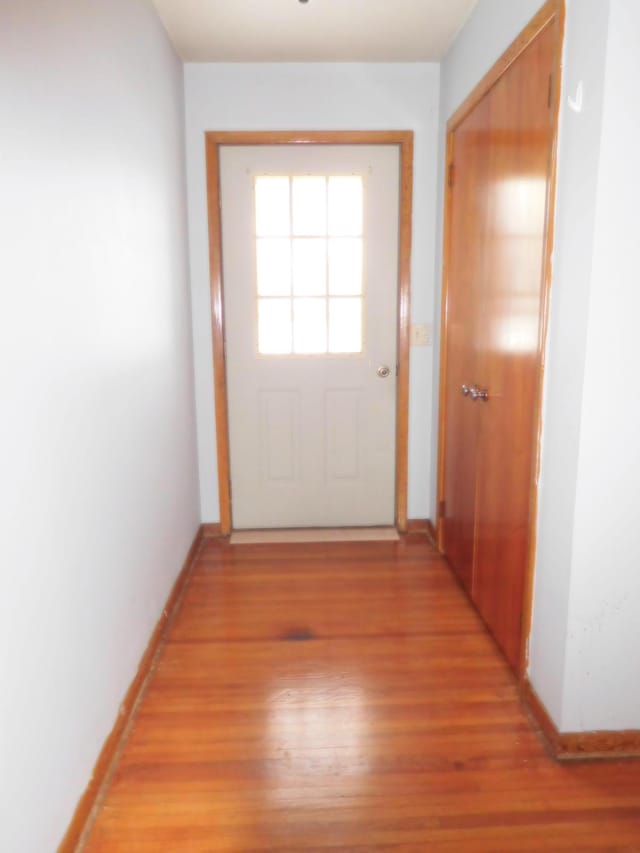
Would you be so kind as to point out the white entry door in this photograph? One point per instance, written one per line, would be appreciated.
(310, 272)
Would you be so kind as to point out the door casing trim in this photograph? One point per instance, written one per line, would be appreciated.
(551, 14)
(403, 139)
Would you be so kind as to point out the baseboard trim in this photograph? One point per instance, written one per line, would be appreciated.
(212, 530)
(603, 744)
(540, 716)
(111, 746)
(423, 526)
(576, 746)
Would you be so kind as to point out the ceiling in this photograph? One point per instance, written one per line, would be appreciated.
(313, 31)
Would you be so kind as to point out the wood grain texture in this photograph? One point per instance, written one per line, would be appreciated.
(444, 341)
(308, 137)
(424, 527)
(519, 138)
(403, 139)
(431, 533)
(558, 24)
(217, 333)
(603, 744)
(114, 739)
(540, 715)
(345, 697)
(576, 746)
(464, 320)
(212, 530)
(418, 525)
(500, 143)
(551, 11)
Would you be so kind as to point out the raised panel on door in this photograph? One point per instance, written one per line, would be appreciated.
(463, 318)
(519, 141)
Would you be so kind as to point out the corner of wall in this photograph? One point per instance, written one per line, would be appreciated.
(578, 164)
(601, 690)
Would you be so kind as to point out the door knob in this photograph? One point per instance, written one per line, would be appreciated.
(383, 371)
(465, 390)
(476, 394)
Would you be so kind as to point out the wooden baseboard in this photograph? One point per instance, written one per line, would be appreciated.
(431, 533)
(423, 526)
(573, 746)
(212, 530)
(112, 743)
(540, 715)
(604, 744)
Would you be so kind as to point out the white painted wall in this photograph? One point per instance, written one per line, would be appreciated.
(602, 669)
(98, 483)
(578, 158)
(315, 97)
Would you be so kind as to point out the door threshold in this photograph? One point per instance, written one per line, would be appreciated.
(314, 534)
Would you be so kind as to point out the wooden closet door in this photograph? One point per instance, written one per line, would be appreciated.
(520, 127)
(468, 237)
(501, 152)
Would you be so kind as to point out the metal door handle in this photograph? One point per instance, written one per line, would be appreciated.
(465, 390)
(476, 394)
(383, 371)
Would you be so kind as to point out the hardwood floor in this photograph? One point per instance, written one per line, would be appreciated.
(345, 697)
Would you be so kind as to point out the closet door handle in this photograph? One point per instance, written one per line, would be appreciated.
(465, 390)
(476, 394)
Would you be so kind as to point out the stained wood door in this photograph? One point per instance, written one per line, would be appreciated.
(519, 139)
(464, 317)
(310, 265)
(501, 154)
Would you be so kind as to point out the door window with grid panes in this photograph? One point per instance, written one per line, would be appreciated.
(309, 264)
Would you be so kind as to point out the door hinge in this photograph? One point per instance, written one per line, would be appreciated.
(550, 91)
(450, 175)
(441, 507)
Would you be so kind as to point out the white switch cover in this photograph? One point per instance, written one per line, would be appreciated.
(420, 335)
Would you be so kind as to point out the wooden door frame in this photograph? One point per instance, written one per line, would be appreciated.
(403, 139)
(551, 14)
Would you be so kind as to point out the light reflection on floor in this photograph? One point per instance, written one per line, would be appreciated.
(318, 732)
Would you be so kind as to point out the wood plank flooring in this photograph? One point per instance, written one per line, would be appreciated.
(345, 697)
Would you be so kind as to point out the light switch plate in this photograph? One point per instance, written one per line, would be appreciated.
(420, 335)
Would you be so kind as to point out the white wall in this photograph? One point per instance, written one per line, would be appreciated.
(578, 158)
(602, 671)
(98, 483)
(315, 97)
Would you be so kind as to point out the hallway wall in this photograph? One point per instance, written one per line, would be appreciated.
(98, 475)
(602, 674)
(563, 419)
